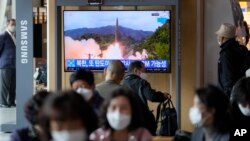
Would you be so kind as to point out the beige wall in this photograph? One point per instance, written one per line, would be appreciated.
(188, 59)
(213, 18)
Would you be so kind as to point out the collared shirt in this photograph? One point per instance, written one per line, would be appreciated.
(12, 36)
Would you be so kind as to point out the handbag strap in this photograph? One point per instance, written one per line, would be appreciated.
(163, 106)
(159, 111)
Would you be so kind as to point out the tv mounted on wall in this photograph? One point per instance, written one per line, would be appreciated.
(93, 38)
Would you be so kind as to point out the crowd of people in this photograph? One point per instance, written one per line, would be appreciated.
(117, 109)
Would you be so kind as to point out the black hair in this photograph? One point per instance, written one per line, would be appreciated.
(82, 74)
(213, 97)
(9, 20)
(241, 91)
(135, 65)
(135, 114)
(34, 106)
(247, 32)
(69, 105)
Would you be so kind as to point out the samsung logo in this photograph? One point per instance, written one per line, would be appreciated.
(24, 41)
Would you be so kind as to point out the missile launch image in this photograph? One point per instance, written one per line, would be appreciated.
(124, 35)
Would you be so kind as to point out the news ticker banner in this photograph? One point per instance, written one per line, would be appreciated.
(102, 63)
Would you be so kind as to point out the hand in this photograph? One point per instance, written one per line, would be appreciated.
(167, 95)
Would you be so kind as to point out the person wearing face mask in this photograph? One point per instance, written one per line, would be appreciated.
(8, 65)
(70, 117)
(113, 76)
(33, 113)
(136, 81)
(240, 100)
(82, 81)
(121, 120)
(232, 62)
(210, 114)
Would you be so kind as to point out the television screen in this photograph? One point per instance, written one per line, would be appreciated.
(93, 38)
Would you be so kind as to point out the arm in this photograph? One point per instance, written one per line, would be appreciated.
(227, 76)
(1, 43)
(151, 94)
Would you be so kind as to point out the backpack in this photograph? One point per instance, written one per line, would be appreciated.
(167, 117)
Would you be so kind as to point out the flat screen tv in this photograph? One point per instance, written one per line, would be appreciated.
(93, 38)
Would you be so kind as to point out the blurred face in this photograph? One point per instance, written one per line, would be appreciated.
(81, 84)
(219, 39)
(119, 113)
(66, 125)
(83, 88)
(199, 110)
(140, 72)
(245, 109)
(241, 40)
(12, 26)
(120, 104)
(68, 130)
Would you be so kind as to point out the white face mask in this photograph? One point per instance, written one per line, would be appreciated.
(86, 93)
(118, 121)
(143, 76)
(12, 29)
(218, 40)
(244, 110)
(74, 135)
(195, 115)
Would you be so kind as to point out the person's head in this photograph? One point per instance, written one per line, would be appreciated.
(115, 71)
(83, 82)
(137, 68)
(70, 117)
(246, 40)
(11, 25)
(121, 111)
(241, 95)
(33, 108)
(242, 33)
(210, 108)
(225, 32)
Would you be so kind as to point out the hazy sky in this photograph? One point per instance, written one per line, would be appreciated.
(139, 20)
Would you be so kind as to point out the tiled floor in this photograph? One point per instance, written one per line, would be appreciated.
(4, 136)
(7, 116)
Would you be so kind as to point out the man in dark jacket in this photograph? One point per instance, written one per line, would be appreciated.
(143, 92)
(8, 65)
(232, 60)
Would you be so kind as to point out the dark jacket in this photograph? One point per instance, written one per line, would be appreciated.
(96, 102)
(7, 51)
(139, 85)
(239, 121)
(105, 88)
(24, 134)
(231, 65)
(199, 135)
(144, 92)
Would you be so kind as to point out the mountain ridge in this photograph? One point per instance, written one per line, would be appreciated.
(107, 30)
